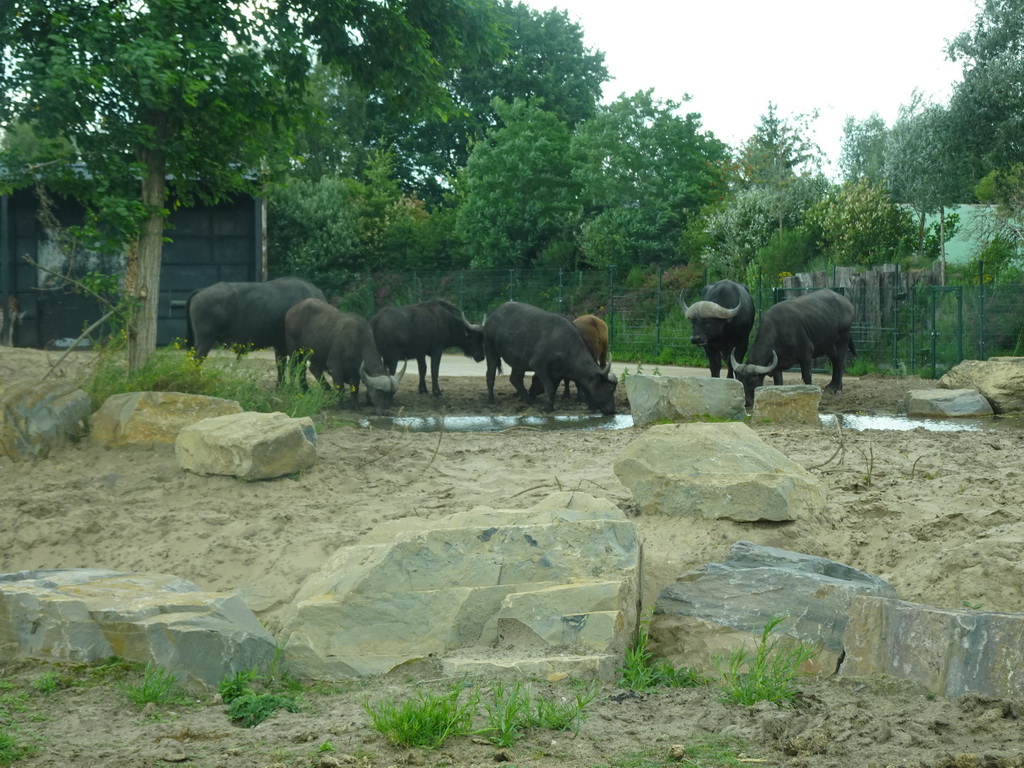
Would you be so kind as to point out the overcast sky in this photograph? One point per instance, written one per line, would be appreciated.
(734, 56)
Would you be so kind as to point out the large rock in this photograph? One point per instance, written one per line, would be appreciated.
(556, 586)
(144, 418)
(252, 446)
(720, 606)
(36, 416)
(716, 471)
(949, 652)
(944, 403)
(683, 398)
(1000, 380)
(91, 614)
(787, 404)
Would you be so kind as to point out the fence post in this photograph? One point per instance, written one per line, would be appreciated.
(511, 279)
(657, 316)
(981, 310)
(611, 306)
(561, 292)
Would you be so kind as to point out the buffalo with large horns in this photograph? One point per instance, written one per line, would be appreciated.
(722, 321)
(795, 332)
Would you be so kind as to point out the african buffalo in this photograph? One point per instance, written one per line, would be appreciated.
(340, 343)
(722, 320)
(531, 339)
(797, 331)
(595, 333)
(428, 328)
(244, 313)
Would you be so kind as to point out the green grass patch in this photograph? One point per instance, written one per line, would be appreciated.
(252, 383)
(769, 673)
(252, 696)
(426, 721)
(642, 673)
(158, 686)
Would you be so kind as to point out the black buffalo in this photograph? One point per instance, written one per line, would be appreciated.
(797, 331)
(722, 320)
(340, 343)
(247, 314)
(531, 339)
(419, 330)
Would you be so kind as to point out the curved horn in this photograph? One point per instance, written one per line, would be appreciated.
(724, 313)
(682, 303)
(750, 368)
(711, 309)
(382, 382)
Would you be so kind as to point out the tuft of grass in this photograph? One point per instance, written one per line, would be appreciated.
(425, 721)
(173, 369)
(513, 711)
(250, 707)
(12, 749)
(642, 673)
(158, 686)
(768, 674)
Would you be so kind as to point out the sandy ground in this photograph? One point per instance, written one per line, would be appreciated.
(938, 514)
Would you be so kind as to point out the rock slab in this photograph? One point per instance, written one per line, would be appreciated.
(36, 416)
(947, 403)
(716, 471)
(949, 652)
(556, 586)
(720, 606)
(251, 446)
(999, 380)
(91, 614)
(145, 418)
(787, 404)
(683, 398)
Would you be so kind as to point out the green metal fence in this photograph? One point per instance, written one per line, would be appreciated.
(924, 329)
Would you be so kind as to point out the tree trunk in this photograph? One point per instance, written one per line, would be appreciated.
(920, 235)
(142, 279)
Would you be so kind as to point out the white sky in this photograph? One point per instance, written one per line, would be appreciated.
(734, 56)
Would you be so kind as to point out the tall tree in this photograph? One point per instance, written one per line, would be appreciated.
(863, 153)
(644, 171)
(538, 57)
(519, 204)
(198, 92)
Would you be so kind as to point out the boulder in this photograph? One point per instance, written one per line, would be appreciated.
(36, 416)
(713, 609)
(999, 380)
(683, 398)
(949, 652)
(944, 403)
(252, 446)
(787, 404)
(716, 471)
(144, 418)
(91, 614)
(547, 589)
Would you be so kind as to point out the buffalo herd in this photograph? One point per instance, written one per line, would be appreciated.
(294, 317)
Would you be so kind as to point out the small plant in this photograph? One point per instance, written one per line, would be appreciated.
(425, 721)
(249, 707)
(11, 749)
(49, 682)
(326, 746)
(642, 674)
(158, 686)
(769, 674)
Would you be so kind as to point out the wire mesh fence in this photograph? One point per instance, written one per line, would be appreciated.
(902, 321)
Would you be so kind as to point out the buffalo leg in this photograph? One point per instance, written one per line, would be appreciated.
(715, 362)
(421, 363)
(516, 377)
(491, 368)
(435, 372)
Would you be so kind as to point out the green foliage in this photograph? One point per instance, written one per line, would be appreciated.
(519, 198)
(641, 673)
(768, 675)
(788, 252)
(251, 696)
(13, 749)
(425, 721)
(158, 686)
(512, 711)
(172, 369)
(863, 154)
(860, 224)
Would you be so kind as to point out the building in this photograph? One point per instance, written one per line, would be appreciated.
(206, 244)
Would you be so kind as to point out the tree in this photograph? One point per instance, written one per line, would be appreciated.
(863, 154)
(644, 171)
(536, 57)
(860, 224)
(198, 92)
(519, 204)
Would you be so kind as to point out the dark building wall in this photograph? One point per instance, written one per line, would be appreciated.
(206, 245)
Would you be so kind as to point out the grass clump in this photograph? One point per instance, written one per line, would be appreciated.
(251, 696)
(12, 749)
(158, 686)
(511, 712)
(252, 383)
(642, 673)
(425, 721)
(768, 674)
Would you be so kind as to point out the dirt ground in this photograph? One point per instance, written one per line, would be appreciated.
(938, 514)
